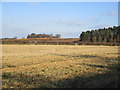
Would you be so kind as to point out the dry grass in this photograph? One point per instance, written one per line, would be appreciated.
(39, 66)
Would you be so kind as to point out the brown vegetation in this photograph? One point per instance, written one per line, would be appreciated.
(60, 66)
(41, 41)
(54, 41)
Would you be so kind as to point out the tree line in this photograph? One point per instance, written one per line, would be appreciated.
(33, 35)
(110, 34)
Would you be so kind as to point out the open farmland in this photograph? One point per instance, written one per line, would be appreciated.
(59, 66)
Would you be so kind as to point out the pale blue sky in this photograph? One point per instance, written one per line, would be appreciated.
(66, 18)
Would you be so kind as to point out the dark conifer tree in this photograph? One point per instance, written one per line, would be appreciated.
(111, 34)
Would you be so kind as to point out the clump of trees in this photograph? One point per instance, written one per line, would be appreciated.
(33, 35)
(111, 34)
(10, 38)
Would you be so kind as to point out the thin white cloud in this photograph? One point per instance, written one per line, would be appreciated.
(70, 22)
(102, 26)
(91, 18)
(38, 24)
(79, 23)
(34, 3)
(94, 20)
(111, 13)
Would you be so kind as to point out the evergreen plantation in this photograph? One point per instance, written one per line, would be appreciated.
(111, 34)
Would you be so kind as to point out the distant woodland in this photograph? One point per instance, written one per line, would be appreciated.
(111, 34)
(105, 36)
(33, 35)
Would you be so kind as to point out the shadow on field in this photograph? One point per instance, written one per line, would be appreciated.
(106, 80)
(85, 56)
(97, 81)
(88, 56)
(26, 81)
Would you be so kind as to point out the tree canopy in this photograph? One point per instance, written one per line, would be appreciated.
(111, 34)
(33, 35)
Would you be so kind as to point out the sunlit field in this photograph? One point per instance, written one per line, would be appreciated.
(59, 66)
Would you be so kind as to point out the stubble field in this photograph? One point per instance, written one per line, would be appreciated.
(59, 66)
